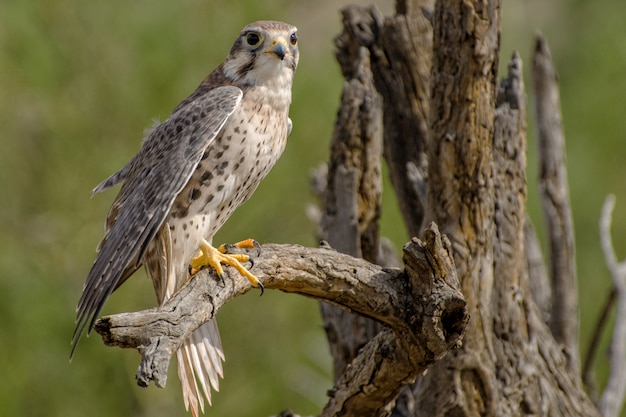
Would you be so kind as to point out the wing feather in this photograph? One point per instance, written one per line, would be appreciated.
(152, 180)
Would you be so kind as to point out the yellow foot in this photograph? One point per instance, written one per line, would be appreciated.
(215, 258)
(244, 244)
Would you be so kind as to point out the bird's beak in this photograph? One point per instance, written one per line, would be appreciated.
(278, 48)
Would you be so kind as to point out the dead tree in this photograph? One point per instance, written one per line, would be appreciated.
(474, 305)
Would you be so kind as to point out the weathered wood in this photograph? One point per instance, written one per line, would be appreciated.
(400, 47)
(509, 364)
(388, 362)
(422, 307)
(391, 51)
(352, 195)
(555, 202)
(612, 399)
(510, 269)
(538, 278)
(461, 195)
(518, 330)
(402, 60)
(352, 198)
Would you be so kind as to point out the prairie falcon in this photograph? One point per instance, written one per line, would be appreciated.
(192, 171)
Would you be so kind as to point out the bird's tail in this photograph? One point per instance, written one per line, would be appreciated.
(200, 359)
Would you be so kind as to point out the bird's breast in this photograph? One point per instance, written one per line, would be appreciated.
(231, 168)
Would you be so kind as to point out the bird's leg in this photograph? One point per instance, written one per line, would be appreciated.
(216, 257)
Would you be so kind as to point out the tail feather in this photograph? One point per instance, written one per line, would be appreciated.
(203, 361)
(214, 347)
(188, 381)
(215, 362)
(200, 359)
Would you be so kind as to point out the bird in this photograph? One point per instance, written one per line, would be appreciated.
(189, 175)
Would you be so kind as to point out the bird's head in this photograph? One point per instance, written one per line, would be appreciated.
(265, 53)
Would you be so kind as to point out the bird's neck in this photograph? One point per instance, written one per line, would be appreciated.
(276, 93)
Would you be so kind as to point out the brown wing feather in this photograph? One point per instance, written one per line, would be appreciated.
(154, 178)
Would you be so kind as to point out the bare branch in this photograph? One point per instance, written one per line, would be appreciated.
(605, 237)
(612, 398)
(555, 202)
(594, 344)
(421, 305)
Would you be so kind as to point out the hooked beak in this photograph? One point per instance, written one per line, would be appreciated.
(278, 48)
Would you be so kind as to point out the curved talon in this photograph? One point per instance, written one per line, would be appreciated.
(220, 276)
(261, 287)
(257, 245)
(224, 248)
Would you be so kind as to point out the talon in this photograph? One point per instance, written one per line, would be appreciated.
(262, 288)
(225, 247)
(257, 245)
(221, 278)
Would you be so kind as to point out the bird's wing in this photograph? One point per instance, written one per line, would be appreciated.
(114, 179)
(120, 175)
(155, 176)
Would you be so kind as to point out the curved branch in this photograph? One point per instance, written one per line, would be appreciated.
(421, 305)
(612, 399)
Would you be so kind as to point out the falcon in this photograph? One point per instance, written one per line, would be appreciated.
(191, 172)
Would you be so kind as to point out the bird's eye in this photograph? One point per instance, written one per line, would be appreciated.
(253, 39)
(294, 38)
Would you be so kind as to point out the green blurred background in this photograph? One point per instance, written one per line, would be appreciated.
(80, 81)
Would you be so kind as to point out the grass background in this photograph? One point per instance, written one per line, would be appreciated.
(78, 84)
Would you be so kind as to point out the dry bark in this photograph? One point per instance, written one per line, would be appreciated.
(539, 281)
(461, 196)
(400, 47)
(556, 205)
(354, 172)
(510, 363)
(352, 198)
